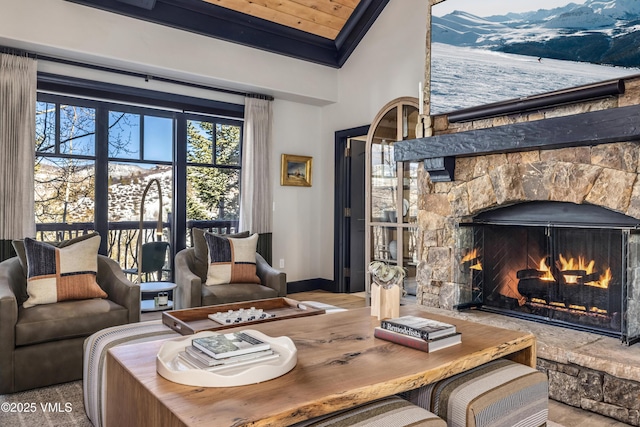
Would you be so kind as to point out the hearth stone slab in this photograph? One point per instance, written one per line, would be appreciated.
(585, 370)
(566, 346)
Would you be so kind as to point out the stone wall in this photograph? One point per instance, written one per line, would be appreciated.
(593, 391)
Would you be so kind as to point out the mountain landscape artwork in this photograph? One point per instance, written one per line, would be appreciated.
(479, 60)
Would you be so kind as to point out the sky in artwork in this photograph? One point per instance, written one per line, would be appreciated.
(485, 8)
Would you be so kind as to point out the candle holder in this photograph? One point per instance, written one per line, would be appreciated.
(386, 288)
(424, 128)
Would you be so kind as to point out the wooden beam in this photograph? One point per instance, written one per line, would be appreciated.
(598, 127)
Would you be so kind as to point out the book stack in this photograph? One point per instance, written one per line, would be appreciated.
(419, 333)
(226, 351)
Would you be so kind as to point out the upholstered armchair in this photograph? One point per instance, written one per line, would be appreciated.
(43, 345)
(191, 274)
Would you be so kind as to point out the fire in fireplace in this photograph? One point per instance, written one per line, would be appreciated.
(554, 262)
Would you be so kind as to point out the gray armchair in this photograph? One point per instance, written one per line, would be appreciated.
(43, 345)
(191, 272)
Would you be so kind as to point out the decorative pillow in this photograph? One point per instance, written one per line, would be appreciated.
(18, 246)
(60, 274)
(201, 251)
(231, 260)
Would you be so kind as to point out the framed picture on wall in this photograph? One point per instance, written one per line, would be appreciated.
(296, 170)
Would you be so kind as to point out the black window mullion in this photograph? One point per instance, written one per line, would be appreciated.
(101, 214)
(240, 165)
(214, 144)
(179, 226)
(57, 129)
(141, 120)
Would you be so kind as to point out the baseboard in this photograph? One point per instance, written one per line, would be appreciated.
(311, 285)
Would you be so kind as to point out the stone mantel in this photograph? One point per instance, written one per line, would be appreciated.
(598, 127)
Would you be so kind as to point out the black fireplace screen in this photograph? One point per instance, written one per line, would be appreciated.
(572, 276)
(566, 275)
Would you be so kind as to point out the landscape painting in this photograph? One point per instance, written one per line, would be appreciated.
(296, 170)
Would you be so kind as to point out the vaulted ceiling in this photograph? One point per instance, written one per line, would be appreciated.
(321, 31)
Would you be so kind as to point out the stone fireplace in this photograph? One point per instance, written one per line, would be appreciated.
(597, 190)
(536, 215)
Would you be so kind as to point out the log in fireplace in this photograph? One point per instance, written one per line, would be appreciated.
(556, 262)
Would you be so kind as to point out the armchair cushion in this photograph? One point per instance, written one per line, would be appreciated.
(231, 260)
(68, 319)
(202, 250)
(60, 274)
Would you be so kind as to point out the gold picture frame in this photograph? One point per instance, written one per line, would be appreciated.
(296, 170)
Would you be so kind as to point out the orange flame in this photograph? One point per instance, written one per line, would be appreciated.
(472, 255)
(565, 264)
(547, 272)
(604, 280)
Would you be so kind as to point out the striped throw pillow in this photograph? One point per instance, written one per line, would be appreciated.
(231, 260)
(60, 274)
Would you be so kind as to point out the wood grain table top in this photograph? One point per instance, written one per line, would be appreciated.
(340, 365)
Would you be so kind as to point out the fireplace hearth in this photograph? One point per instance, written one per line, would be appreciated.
(553, 262)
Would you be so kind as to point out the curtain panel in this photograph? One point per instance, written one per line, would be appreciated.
(18, 80)
(256, 198)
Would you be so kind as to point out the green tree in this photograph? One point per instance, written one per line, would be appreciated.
(213, 185)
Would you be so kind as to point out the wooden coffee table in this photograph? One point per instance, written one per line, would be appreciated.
(340, 365)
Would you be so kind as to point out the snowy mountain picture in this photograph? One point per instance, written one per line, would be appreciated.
(598, 31)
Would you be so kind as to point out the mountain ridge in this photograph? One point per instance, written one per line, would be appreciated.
(599, 31)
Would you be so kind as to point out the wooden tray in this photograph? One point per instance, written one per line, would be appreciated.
(193, 320)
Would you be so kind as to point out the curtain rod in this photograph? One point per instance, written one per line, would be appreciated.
(146, 77)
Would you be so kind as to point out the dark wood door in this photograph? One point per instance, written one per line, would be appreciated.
(357, 227)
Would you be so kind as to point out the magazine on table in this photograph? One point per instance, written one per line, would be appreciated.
(221, 346)
(193, 363)
(207, 360)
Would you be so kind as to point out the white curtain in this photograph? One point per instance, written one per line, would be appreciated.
(256, 197)
(18, 79)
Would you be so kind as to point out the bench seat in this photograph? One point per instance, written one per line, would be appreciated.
(386, 412)
(500, 393)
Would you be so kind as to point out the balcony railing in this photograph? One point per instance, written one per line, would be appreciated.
(123, 236)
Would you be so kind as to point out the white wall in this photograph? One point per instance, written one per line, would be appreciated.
(388, 64)
(297, 238)
(312, 101)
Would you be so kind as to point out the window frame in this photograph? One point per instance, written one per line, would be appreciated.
(106, 97)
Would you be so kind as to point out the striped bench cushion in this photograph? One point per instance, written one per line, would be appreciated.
(386, 412)
(95, 351)
(500, 393)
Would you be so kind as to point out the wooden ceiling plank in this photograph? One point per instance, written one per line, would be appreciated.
(330, 7)
(348, 3)
(271, 10)
(303, 12)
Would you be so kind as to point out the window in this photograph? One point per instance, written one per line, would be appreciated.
(213, 169)
(65, 165)
(95, 158)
